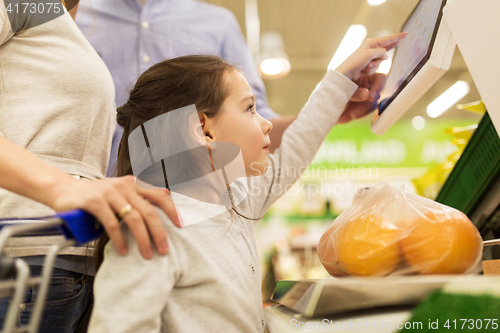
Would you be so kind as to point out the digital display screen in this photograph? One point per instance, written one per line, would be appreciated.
(411, 51)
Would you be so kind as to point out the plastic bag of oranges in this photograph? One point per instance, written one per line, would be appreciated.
(389, 232)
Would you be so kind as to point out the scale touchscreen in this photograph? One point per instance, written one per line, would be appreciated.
(411, 50)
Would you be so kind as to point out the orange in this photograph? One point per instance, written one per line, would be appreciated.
(441, 243)
(367, 245)
(327, 255)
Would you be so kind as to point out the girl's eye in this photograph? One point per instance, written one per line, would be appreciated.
(250, 108)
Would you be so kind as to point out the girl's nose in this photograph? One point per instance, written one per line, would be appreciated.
(267, 126)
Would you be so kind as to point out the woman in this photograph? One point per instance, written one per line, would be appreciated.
(57, 102)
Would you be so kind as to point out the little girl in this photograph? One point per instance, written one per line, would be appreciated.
(210, 281)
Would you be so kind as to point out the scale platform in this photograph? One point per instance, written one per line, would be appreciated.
(324, 297)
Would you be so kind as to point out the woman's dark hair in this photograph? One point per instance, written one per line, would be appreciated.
(167, 86)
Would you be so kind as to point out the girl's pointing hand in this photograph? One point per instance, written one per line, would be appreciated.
(367, 58)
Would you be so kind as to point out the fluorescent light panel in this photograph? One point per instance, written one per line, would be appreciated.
(353, 38)
(375, 2)
(449, 98)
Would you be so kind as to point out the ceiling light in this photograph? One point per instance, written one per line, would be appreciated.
(273, 66)
(350, 43)
(448, 99)
(418, 123)
(375, 2)
(274, 62)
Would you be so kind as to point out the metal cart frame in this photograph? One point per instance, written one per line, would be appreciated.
(78, 227)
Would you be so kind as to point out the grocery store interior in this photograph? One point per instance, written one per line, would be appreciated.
(132, 127)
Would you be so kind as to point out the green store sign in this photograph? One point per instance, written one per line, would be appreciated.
(353, 145)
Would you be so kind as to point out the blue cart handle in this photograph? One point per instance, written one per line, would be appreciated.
(77, 225)
(80, 226)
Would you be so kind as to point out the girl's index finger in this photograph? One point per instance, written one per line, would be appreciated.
(387, 42)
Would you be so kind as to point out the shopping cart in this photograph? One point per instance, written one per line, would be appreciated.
(78, 228)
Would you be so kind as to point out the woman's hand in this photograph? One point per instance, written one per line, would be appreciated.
(361, 68)
(364, 100)
(108, 197)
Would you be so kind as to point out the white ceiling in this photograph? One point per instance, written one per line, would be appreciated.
(312, 31)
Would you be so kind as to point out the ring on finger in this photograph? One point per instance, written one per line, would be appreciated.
(125, 210)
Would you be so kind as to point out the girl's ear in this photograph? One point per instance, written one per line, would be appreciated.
(203, 120)
(206, 126)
